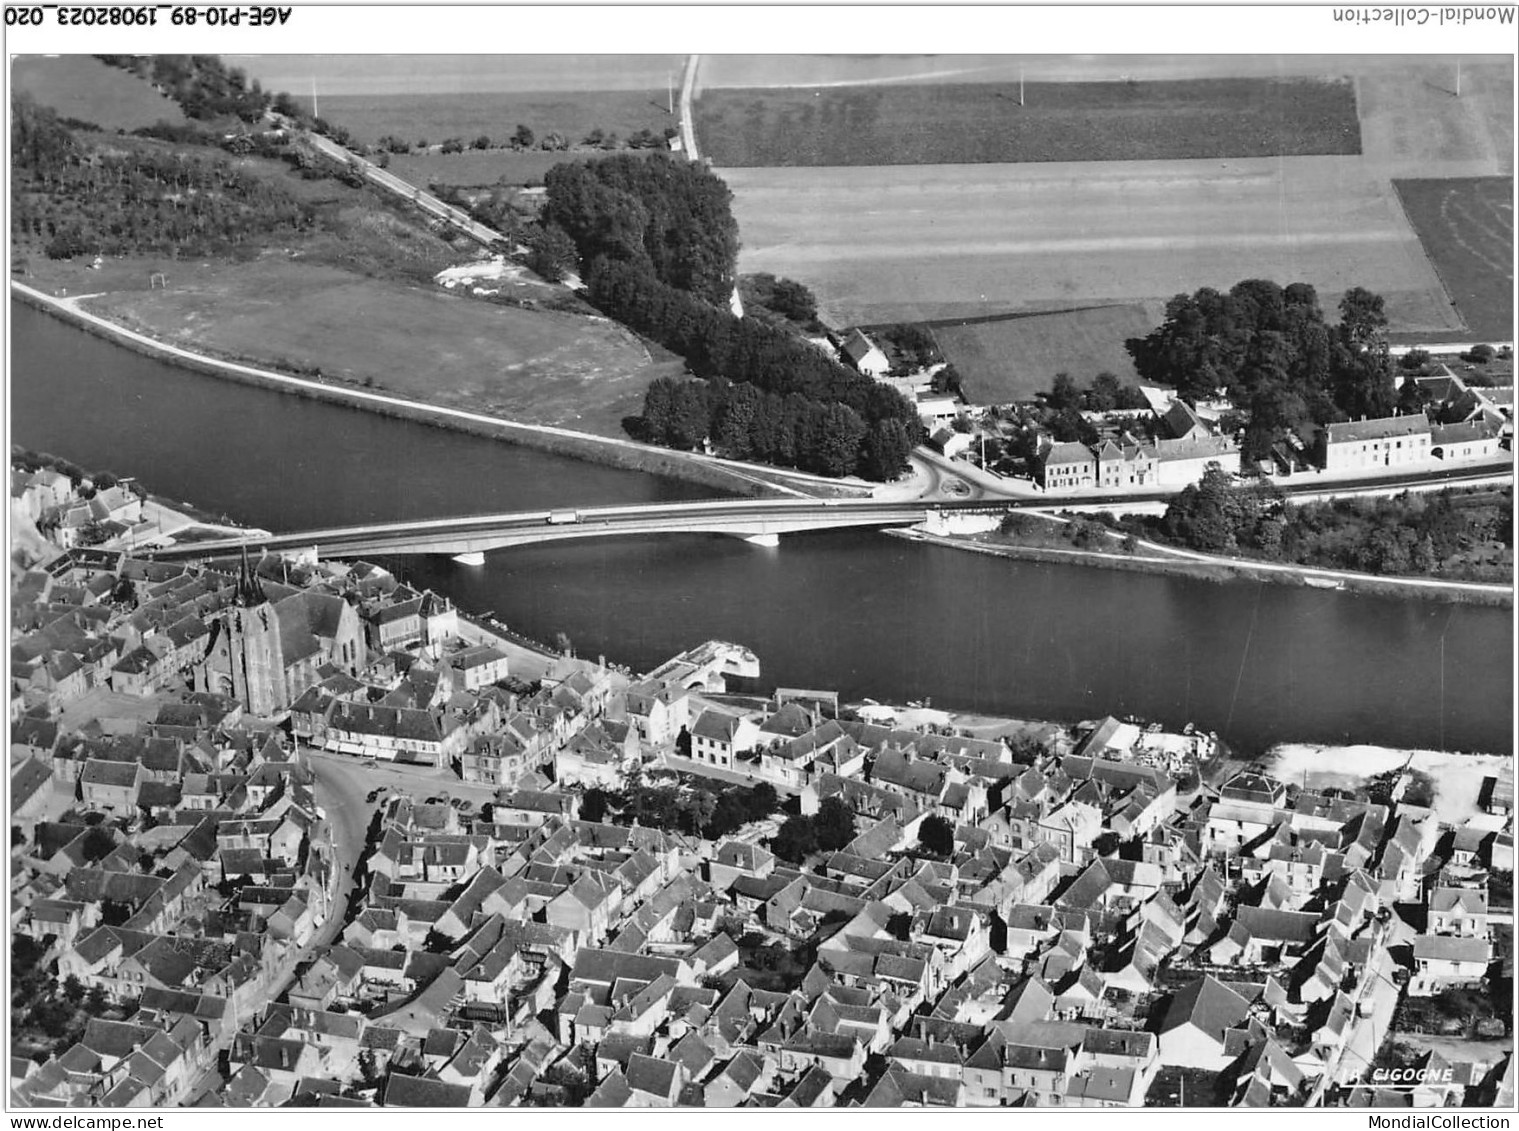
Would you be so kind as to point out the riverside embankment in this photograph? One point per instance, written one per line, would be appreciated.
(723, 475)
(1149, 557)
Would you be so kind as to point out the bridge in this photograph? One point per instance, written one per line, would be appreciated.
(761, 521)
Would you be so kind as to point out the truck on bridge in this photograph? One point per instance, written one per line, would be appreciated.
(562, 517)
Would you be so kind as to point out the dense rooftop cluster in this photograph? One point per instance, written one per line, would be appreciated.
(643, 891)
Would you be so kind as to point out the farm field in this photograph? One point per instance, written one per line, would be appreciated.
(476, 167)
(1413, 125)
(726, 71)
(534, 366)
(1012, 358)
(78, 86)
(457, 74)
(924, 243)
(955, 123)
(467, 115)
(1467, 228)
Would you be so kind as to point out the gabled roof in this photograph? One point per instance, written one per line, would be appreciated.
(1383, 428)
(1208, 1005)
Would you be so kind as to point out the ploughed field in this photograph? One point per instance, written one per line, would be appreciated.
(727, 71)
(1467, 226)
(952, 123)
(421, 343)
(922, 243)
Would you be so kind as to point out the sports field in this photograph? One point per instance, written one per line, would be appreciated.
(955, 123)
(1012, 358)
(534, 366)
(931, 242)
(1467, 226)
(82, 87)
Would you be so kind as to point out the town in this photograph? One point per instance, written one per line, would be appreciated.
(292, 832)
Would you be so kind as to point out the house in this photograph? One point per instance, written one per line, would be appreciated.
(1067, 467)
(1193, 1030)
(717, 737)
(31, 788)
(1124, 466)
(1474, 439)
(1367, 445)
(1180, 463)
(866, 357)
(111, 786)
(1447, 960)
(479, 666)
(1458, 911)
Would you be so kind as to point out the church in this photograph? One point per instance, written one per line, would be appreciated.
(271, 643)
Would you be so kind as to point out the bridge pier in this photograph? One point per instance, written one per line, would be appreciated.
(471, 558)
(760, 539)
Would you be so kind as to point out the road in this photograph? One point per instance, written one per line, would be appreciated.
(340, 794)
(471, 533)
(430, 204)
(687, 124)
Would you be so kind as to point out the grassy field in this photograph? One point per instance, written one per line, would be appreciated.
(1012, 358)
(78, 86)
(1413, 123)
(434, 117)
(924, 243)
(533, 366)
(955, 123)
(1467, 228)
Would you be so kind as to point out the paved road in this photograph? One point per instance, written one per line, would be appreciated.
(687, 125)
(471, 227)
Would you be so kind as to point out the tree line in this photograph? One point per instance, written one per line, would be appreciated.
(671, 218)
(781, 399)
(1446, 534)
(1270, 347)
(744, 422)
(204, 87)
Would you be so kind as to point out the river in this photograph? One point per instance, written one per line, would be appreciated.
(858, 611)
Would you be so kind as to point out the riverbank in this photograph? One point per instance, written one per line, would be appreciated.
(1150, 558)
(628, 455)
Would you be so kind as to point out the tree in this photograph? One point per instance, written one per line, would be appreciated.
(834, 824)
(523, 137)
(595, 804)
(795, 840)
(886, 450)
(936, 836)
(453, 145)
(1362, 316)
(1063, 394)
(1104, 394)
(481, 142)
(551, 253)
(73, 989)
